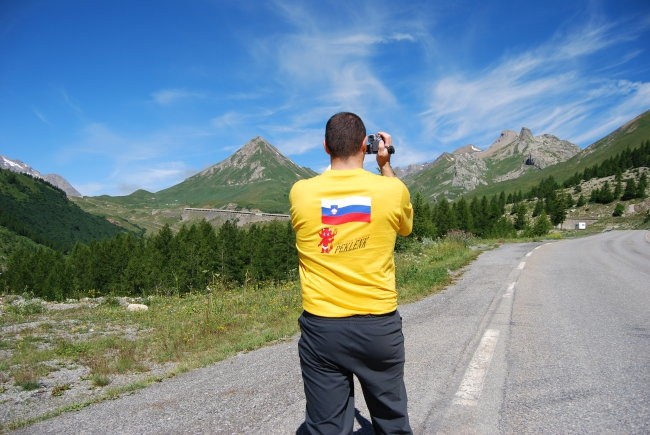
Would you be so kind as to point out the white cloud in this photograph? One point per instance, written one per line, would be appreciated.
(70, 102)
(552, 88)
(151, 161)
(300, 142)
(151, 177)
(332, 62)
(228, 119)
(90, 188)
(166, 97)
(40, 116)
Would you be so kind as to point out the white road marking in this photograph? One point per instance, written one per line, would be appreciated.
(529, 254)
(472, 385)
(510, 290)
(521, 265)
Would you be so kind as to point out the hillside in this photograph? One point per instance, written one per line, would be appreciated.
(510, 156)
(41, 212)
(257, 176)
(631, 135)
(54, 179)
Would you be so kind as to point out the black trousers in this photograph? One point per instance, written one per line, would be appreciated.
(371, 348)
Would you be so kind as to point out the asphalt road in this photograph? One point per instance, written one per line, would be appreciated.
(533, 338)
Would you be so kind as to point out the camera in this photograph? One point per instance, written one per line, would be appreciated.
(373, 144)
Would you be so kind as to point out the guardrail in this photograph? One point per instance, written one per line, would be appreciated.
(249, 213)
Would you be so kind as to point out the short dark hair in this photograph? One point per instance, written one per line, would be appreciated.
(344, 133)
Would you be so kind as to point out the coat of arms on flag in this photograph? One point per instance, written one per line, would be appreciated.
(343, 210)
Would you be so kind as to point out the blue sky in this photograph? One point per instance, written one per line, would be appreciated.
(121, 95)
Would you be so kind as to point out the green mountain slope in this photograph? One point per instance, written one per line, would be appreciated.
(437, 174)
(257, 176)
(631, 135)
(36, 209)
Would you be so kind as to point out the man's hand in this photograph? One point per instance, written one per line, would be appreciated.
(383, 157)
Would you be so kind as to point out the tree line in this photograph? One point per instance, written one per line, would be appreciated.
(483, 217)
(621, 162)
(196, 257)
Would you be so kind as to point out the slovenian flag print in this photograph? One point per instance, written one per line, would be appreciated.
(344, 210)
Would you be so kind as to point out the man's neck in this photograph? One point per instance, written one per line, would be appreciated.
(350, 163)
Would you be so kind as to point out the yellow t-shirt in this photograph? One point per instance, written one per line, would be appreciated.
(346, 222)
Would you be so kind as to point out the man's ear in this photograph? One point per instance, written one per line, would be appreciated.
(327, 150)
(363, 144)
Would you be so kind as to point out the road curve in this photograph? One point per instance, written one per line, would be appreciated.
(529, 332)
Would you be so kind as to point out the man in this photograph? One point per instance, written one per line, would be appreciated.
(346, 221)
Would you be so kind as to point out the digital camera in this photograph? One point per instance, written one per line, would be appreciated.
(373, 144)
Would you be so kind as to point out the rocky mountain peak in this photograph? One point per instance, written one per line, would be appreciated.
(509, 156)
(505, 138)
(252, 162)
(257, 173)
(526, 135)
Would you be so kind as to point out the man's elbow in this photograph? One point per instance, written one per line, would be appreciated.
(405, 231)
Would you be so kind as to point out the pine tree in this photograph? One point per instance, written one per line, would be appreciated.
(618, 210)
(568, 200)
(618, 189)
(642, 186)
(556, 208)
(502, 227)
(463, 215)
(630, 190)
(541, 226)
(606, 194)
(229, 252)
(423, 225)
(521, 219)
(444, 220)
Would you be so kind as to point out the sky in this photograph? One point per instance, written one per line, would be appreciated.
(140, 94)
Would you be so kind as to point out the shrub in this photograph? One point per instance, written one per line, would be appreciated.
(618, 210)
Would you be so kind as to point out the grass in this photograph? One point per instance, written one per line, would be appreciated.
(429, 267)
(188, 331)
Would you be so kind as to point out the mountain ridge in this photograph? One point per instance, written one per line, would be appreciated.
(42, 212)
(468, 167)
(256, 176)
(631, 134)
(54, 179)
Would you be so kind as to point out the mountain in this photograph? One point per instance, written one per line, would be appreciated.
(54, 179)
(630, 135)
(509, 157)
(256, 177)
(41, 212)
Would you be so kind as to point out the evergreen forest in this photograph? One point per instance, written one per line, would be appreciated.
(190, 260)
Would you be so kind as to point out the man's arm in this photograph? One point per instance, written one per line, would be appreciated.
(383, 156)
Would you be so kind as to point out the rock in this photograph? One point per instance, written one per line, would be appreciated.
(136, 307)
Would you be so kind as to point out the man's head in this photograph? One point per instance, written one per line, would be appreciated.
(344, 134)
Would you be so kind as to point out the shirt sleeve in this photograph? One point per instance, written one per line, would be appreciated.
(406, 221)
